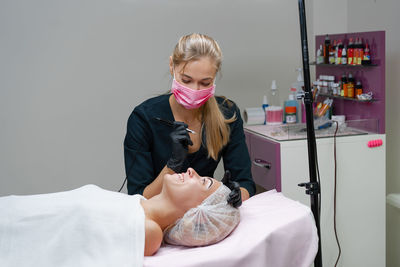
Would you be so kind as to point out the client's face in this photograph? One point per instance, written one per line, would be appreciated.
(189, 189)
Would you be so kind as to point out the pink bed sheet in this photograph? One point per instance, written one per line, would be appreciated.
(274, 231)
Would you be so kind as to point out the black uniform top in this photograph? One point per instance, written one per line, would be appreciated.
(147, 147)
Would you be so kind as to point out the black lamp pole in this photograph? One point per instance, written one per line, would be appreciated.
(312, 188)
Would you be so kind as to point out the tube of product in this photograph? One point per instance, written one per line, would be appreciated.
(356, 52)
(350, 52)
(327, 45)
(344, 56)
(350, 86)
(343, 92)
(358, 89)
(360, 52)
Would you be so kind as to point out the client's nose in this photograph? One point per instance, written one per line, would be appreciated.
(191, 172)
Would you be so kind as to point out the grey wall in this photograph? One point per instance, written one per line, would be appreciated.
(72, 71)
(329, 16)
(374, 15)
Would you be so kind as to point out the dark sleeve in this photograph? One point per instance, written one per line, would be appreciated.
(137, 152)
(236, 155)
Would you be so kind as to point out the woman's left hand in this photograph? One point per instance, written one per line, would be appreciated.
(235, 196)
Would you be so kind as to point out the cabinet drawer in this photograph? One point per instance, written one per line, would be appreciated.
(248, 137)
(266, 163)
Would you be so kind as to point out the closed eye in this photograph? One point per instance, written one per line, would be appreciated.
(211, 182)
(203, 181)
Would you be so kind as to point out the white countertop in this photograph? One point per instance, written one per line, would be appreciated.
(286, 132)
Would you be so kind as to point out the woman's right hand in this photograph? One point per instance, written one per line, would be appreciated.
(180, 142)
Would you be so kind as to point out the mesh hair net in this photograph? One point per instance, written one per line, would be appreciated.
(206, 224)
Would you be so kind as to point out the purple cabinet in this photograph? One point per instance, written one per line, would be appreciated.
(265, 160)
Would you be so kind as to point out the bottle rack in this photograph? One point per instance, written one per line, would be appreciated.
(371, 76)
(344, 66)
(347, 98)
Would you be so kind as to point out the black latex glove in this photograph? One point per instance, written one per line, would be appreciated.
(235, 196)
(180, 142)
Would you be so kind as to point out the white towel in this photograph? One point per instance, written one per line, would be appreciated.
(88, 226)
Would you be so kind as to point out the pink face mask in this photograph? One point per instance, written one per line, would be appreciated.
(190, 98)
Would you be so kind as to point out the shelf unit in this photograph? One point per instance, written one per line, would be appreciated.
(371, 76)
(344, 66)
(347, 98)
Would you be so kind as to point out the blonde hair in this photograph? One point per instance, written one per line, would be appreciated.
(193, 47)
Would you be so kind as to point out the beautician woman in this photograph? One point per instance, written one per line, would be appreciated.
(153, 148)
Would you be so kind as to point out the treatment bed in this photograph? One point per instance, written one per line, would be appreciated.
(90, 226)
(273, 231)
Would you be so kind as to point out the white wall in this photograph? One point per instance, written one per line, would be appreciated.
(72, 71)
(371, 15)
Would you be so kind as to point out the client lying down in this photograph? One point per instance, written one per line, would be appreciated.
(90, 226)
